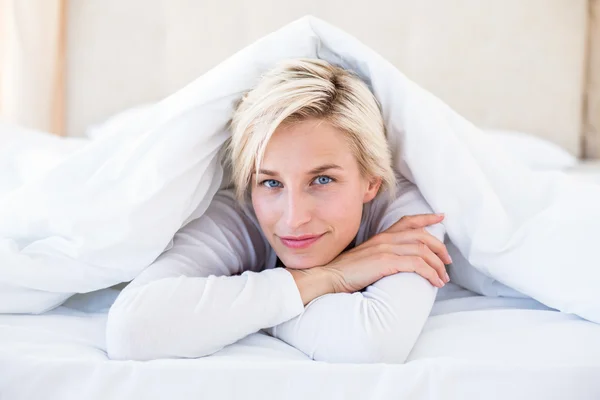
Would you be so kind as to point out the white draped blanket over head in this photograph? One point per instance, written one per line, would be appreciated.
(106, 211)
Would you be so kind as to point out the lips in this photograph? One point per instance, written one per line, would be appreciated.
(300, 242)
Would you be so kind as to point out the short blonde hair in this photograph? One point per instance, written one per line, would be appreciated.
(299, 89)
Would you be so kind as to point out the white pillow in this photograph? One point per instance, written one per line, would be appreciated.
(537, 153)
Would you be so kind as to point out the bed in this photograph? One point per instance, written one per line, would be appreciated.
(471, 347)
(525, 72)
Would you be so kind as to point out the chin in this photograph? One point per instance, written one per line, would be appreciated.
(304, 261)
(300, 264)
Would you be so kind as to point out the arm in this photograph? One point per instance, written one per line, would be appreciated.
(188, 304)
(380, 324)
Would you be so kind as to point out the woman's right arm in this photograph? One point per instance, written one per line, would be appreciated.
(191, 302)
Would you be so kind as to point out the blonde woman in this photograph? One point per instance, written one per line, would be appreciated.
(317, 243)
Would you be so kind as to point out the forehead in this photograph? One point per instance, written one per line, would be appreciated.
(307, 142)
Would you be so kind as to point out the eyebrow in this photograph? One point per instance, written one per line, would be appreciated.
(315, 171)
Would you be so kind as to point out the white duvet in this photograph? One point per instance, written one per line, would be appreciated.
(99, 214)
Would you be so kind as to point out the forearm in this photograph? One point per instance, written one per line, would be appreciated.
(195, 317)
(380, 324)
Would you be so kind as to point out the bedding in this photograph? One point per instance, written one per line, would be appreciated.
(546, 157)
(107, 210)
(21, 150)
(93, 214)
(535, 152)
(472, 347)
(26, 154)
(464, 274)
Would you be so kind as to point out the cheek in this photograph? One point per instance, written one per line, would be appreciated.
(263, 208)
(342, 209)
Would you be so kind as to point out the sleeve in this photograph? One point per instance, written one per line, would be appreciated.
(380, 324)
(203, 293)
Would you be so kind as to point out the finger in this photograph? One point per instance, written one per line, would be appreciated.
(436, 262)
(413, 236)
(415, 222)
(423, 251)
(436, 245)
(418, 265)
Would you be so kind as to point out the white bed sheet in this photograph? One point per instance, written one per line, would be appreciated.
(472, 347)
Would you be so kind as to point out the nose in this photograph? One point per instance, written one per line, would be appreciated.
(298, 209)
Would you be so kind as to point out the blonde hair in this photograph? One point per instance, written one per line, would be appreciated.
(299, 89)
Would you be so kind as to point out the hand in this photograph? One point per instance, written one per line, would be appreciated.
(404, 247)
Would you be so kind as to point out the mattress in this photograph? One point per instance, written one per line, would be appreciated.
(472, 347)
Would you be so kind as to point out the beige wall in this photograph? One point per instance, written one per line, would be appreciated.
(528, 65)
(502, 64)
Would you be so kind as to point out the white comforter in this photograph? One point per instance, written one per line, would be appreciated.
(101, 213)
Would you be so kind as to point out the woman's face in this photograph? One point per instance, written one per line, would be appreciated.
(310, 193)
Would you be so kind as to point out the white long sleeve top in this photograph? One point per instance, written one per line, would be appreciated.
(218, 282)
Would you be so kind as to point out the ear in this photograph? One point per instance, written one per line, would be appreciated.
(372, 189)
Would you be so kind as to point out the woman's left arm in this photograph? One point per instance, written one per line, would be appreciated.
(380, 324)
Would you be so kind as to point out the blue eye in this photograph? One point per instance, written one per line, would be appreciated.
(271, 183)
(323, 180)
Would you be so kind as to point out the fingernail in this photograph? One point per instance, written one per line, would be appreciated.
(441, 282)
(440, 214)
(450, 258)
(447, 278)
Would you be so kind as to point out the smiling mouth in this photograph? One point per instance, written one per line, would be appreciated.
(300, 242)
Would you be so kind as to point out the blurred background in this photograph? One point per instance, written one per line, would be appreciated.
(530, 66)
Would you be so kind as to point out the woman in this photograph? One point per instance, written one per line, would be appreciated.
(312, 244)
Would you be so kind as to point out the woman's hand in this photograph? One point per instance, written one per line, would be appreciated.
(404, 247)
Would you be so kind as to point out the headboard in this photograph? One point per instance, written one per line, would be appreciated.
(511, 64)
